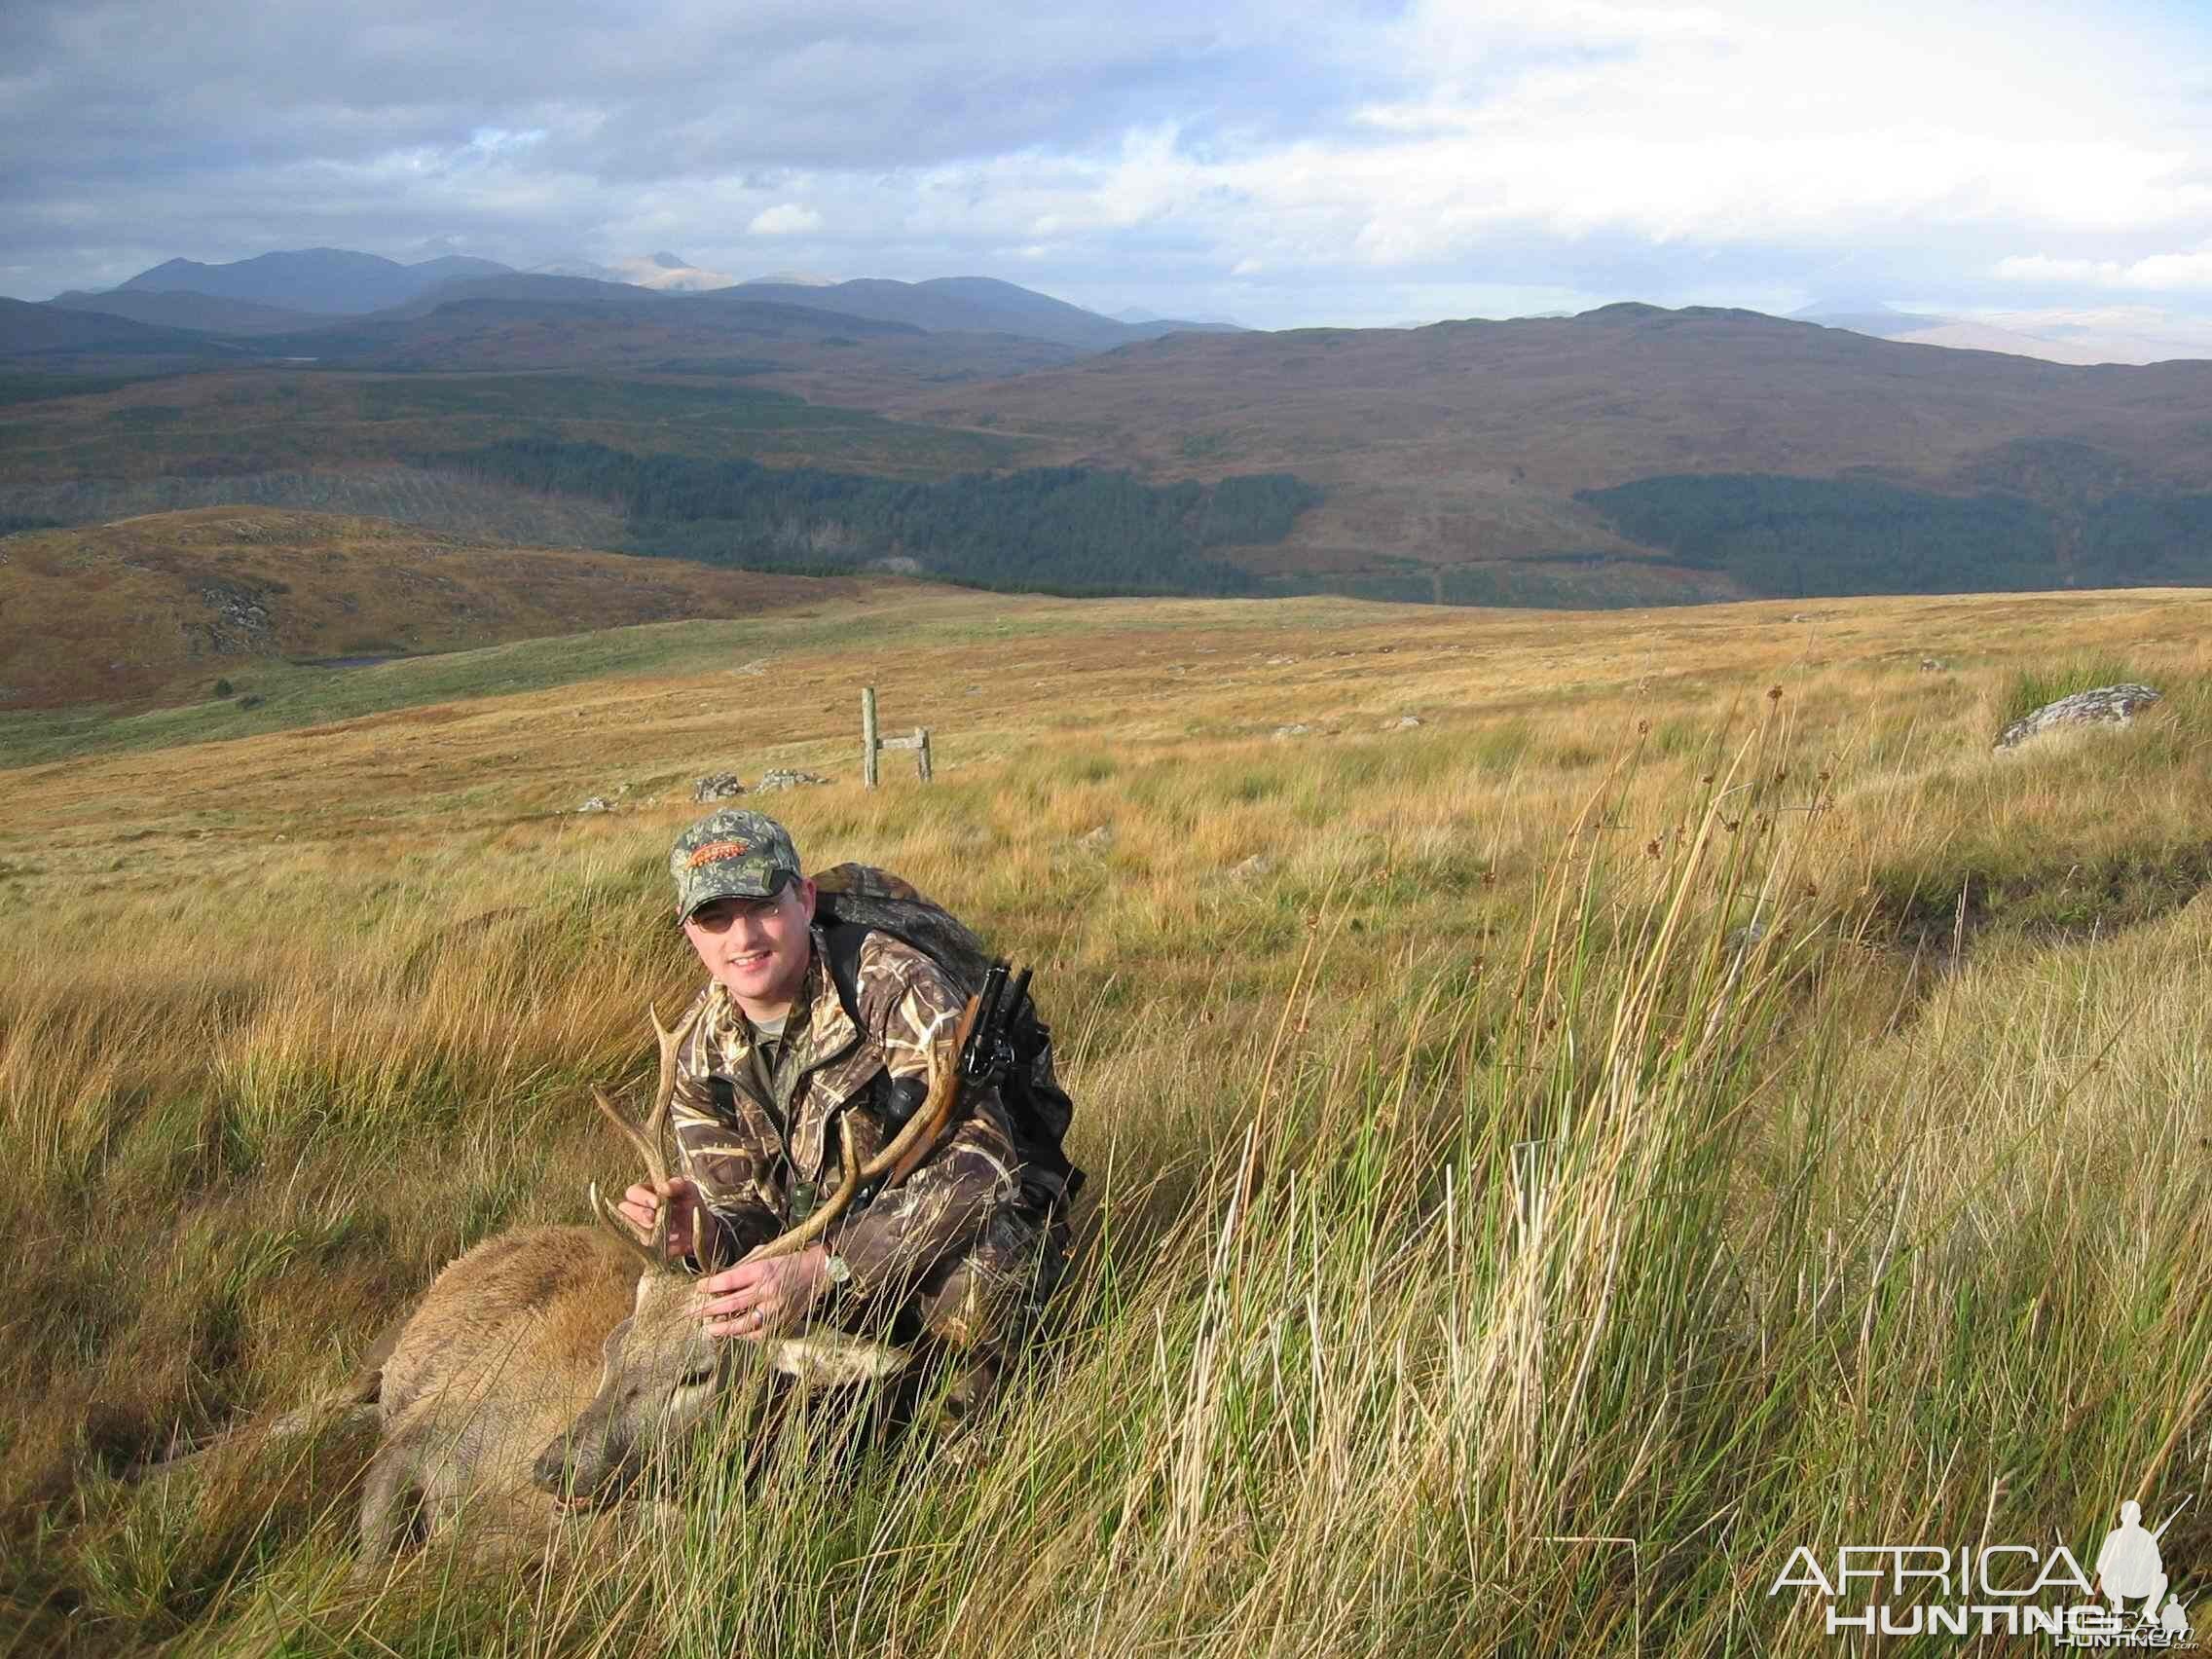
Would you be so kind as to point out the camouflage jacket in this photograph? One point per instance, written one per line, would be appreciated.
(761, 1157)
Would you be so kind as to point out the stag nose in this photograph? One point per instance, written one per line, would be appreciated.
(551, 1470)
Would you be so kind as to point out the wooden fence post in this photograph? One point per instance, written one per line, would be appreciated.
(872, 743)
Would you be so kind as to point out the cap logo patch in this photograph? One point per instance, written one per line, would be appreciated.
(713, 852)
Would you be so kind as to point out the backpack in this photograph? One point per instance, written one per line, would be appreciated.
(852, 901)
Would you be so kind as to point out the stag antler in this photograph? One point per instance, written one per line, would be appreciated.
(647, 1140)
(906, 1150)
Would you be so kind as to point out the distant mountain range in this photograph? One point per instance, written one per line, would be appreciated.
(1629, 454)
(667, 273)
(291, 293)
(330, 280)
(2053, 339)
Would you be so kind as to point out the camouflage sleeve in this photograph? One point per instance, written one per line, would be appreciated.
(909, 1007)
(722, 1155)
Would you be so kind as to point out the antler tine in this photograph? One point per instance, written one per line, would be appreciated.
(935, 1111)
(645, 1137)
(664, 1090)
(656, 1170)
(819, 1223)
(605, 1212)
(906, 1150)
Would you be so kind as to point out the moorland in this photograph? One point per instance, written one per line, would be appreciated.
(973, 432)
(1580, 1103)
(1681, 1097)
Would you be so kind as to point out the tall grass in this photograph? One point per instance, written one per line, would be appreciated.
(2046, 683)
(1494, 1245)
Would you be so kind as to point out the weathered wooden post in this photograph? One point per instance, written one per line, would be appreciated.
(872, 744)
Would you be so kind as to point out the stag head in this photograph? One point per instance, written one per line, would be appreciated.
(662, 1374)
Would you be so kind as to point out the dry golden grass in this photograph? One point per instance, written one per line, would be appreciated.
(1474, 1262)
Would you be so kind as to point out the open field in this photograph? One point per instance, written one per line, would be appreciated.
(1482, 1253)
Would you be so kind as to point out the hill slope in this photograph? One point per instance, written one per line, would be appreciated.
(156, 609)
(207, 313)
(29, 330)
(1471, 442)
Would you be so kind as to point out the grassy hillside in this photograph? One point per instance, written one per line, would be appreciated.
(159, 609)
(1481, 1255)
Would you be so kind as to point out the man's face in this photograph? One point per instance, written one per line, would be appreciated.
(755, 948)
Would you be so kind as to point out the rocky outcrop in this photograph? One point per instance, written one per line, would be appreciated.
(715, 786)
(2112, 705)
(242, 624)
(772, 781)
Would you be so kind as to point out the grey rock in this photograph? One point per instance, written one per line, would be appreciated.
(1294, 731)
(2112, 705)
(779, 779)
(1934, 665)
(1251, 868)
(596, 803)
(715, 786)
(1097, 840)
(1404, 722)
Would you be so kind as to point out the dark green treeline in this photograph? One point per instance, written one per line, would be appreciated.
(1052, 529)
(1794, 538)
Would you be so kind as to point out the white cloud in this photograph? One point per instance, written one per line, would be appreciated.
(1303, 157)
(2166, 271)
(785, 220)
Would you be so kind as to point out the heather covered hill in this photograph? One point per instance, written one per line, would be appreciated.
(156, 610)
(1464, 444)
(278, 419)
(1628, 456)
(981, 305)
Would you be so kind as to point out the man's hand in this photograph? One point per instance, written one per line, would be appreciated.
(762, 1298)
(640, 1206)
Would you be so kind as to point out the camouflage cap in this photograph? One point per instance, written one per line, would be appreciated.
(730, 854)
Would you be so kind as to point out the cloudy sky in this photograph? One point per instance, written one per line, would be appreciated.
(1281, 163)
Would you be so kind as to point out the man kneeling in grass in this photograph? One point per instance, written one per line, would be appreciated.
(790, 1035)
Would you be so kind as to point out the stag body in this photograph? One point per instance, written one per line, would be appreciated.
(550, 1362)
(504, 1352)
